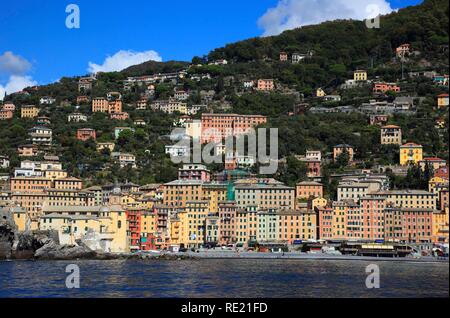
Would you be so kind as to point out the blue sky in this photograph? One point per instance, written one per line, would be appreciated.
(34, 32)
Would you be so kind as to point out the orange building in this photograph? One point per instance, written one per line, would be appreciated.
(403, 50)
(102, 105)
(308, 189)
(30, 184)
(372, 218)
(85, 134)
(408, 225)
(6, 114)
(296, 225)
(177, 193)
(265, 85)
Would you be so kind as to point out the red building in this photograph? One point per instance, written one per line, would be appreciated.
(216, 127)
(379, 120)
(442, 173)
(385, 87)
(85, 134)
(313, 168)
(140, 238)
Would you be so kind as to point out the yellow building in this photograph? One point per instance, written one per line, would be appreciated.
(178, 192)
(410, 153)
(149, 224)
(175, 230)
(416, 199)
(105, 145)
(21, 218)
(435, 182)
(391, 135)
(339, 221)
(246, 225)
(196, 214)
(107, 224)
(360, 75)
(320, 92)
(214, 193)
(318, 203)
(29, 111)
(440, 226)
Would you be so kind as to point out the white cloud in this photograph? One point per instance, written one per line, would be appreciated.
(124, 59)
(15, 84)
(13, 64)
(290, 14)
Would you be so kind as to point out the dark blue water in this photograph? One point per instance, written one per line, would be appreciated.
(223, 278)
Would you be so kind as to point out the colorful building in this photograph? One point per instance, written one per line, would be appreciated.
(360, 75)
(216, 127)
(29, 111)
(410, 153)
(442, 100)
(309, 189)
(342, 148)
(391, 135)
(85, 134)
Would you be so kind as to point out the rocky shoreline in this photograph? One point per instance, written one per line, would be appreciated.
(44, 245)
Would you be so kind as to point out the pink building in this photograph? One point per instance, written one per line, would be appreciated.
(227, 221)
(9, 106)
(265, 85)
(216, 127)
(85, 134)
(408, 225)
(372, 218)
(194, 172)
(385, 87)
(324, 223)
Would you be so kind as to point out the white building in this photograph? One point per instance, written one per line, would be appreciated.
(249, 84)
(313, 155)
(181, 95)
(177, 150)
(124, 159)
(41, 136)
(47, 100)
(194, 109)
(77, 118)
(4, 162)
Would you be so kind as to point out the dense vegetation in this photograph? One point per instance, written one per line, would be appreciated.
(338, 47)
